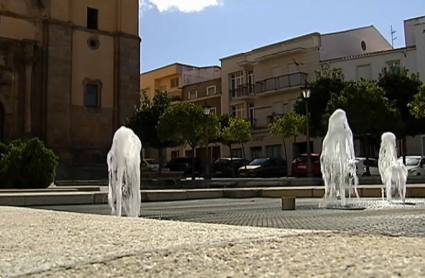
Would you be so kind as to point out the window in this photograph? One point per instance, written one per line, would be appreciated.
(92, 18)
(91, 98)
(393, 65)
(236, 80)
(213, 110)
(174, 83)
(211, 90)
(237, 153)
(274, 151)
(193, 94)
(175, 154)
(363, 72)
(238, 111)
(256, 152)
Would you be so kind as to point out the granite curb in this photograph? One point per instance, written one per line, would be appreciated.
(101, 197)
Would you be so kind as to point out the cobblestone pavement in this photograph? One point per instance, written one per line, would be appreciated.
(368, 215)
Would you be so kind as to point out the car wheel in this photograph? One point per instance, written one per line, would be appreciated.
(418, 174)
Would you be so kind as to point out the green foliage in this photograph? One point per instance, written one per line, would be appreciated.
(144, 121)
(401, 88)
(288, 126)
(326, 82)
(185, 122)
(238, 131)
(368, 109)
(224, 121)
(27, 165)
(417, 105)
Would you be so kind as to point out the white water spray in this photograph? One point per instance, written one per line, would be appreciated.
(124, 173)
(393, 172)
(337, 160)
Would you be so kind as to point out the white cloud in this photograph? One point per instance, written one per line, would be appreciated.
(185, 6)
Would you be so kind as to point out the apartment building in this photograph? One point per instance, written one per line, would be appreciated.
(172, 78)
(201, 93)
(264, 83)
(183, 83)
(369, 65)
(69, 71)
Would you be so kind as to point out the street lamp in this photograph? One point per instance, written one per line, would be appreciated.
(306, 95)
(207, 109)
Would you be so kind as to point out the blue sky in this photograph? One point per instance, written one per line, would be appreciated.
(199, 32)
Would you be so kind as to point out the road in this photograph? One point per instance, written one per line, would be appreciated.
(369, 215)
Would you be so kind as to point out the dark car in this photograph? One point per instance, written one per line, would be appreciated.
(184, 164)
(227, 167)
(264, 167)
(299, 165)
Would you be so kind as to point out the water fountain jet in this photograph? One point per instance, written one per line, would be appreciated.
(124, 173)
(337, 160)
(392, 171)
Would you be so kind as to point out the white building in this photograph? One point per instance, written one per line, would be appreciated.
(369, 65)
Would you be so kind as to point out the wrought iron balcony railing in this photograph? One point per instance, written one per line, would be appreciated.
(280, 82)
(243, 91)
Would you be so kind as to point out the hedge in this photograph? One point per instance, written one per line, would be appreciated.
(27, 164)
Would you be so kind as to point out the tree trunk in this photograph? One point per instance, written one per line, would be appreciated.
(367, 155)
(243, 151)
(160, 161)
(193, 162)
(231, 160)
(404, 147)
(286, 155)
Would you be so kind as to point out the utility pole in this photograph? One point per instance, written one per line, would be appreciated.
(393, 38)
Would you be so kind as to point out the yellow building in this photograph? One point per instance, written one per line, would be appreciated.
(69, 71)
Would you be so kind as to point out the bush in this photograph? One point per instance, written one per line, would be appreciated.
(27, 165)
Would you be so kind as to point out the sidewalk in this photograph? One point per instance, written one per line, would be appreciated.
(40, 243)
(100, 195)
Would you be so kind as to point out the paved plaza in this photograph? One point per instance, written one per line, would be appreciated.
(367, 216)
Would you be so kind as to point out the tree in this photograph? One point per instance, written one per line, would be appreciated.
(185, 122)
(238, 131)
(144, 123)
(417, 105)
(224, 121)
(326, 82)
(288, 126)
(369, 111)
(401, 88)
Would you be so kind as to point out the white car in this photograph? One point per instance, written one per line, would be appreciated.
(151, 164)
(415, 165)
(361, 166)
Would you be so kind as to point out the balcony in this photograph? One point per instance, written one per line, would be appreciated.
(275, 84)
(243, 91)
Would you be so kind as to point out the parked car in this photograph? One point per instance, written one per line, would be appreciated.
(361, 164)
(151, 164)
(415, 165)
(226, 167)
(184, 164)
(264, 167)
(299, 165)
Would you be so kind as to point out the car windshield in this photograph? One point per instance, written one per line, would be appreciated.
(412, 161)
(258, 161)
(151, 161)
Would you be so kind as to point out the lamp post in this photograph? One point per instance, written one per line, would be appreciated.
(207, 109)
(306, 95)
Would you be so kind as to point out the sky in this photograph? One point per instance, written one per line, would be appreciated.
(200, 32)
